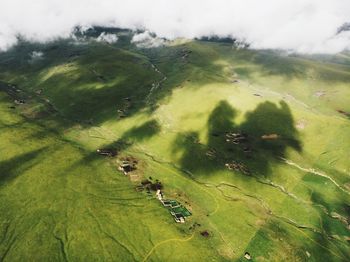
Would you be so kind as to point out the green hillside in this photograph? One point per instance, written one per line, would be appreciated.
(255, 144)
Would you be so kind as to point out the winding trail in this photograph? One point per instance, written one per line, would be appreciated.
(164, 242)
(299, 227)
(155, 85)
(315, 172)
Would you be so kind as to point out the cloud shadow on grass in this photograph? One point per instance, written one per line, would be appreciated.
(136, 134)
(89, 82)
(252, 151)
(17, 165)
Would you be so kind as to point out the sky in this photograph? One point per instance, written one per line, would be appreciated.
(304, 26)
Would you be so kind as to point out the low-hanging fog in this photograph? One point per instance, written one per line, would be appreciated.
(305, 26)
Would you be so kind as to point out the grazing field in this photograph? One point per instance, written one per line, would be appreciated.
(255, 144)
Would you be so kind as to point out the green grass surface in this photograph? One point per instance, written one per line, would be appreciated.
(60, 201)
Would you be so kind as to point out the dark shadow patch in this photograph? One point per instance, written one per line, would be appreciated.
(14, 167)
(136, 134)
(242, 147)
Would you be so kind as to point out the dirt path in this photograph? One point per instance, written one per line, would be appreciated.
(315, 172)
(155, 85)
(164, 242)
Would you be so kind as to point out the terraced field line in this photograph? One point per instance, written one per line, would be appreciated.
(315, 172)
(164, 242)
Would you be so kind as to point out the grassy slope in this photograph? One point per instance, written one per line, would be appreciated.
(62, 202)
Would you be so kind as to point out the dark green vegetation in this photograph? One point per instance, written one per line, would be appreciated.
(254, 143)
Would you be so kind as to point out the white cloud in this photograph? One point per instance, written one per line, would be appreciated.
(147, 40)
(301, 25)
(108, 38)
(36, 55)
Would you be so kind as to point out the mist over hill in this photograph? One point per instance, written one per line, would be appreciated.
(310, 26)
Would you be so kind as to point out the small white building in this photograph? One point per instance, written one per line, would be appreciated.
(159, 195)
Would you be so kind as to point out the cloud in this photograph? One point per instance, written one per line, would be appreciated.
(35, 55)
(108, 38)
(147, 40)
(307, 26)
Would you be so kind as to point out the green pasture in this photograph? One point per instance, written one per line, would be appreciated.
(61, 201)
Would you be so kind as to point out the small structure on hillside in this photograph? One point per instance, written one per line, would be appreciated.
(159, 195)
(178, 211)
(185, 53)
(121, 113)
(157, 185)
(236, 138)
(211, 153)
(308, 254)
(127, 167)
(107, 152)
(247, 149)
(19, 102)
(166, 203)
(179, 218)
(170, 203)
(247, 256)
(270, 136)
(205, 233)
(238, 167)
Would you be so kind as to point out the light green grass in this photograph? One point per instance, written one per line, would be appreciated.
(60, 201)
